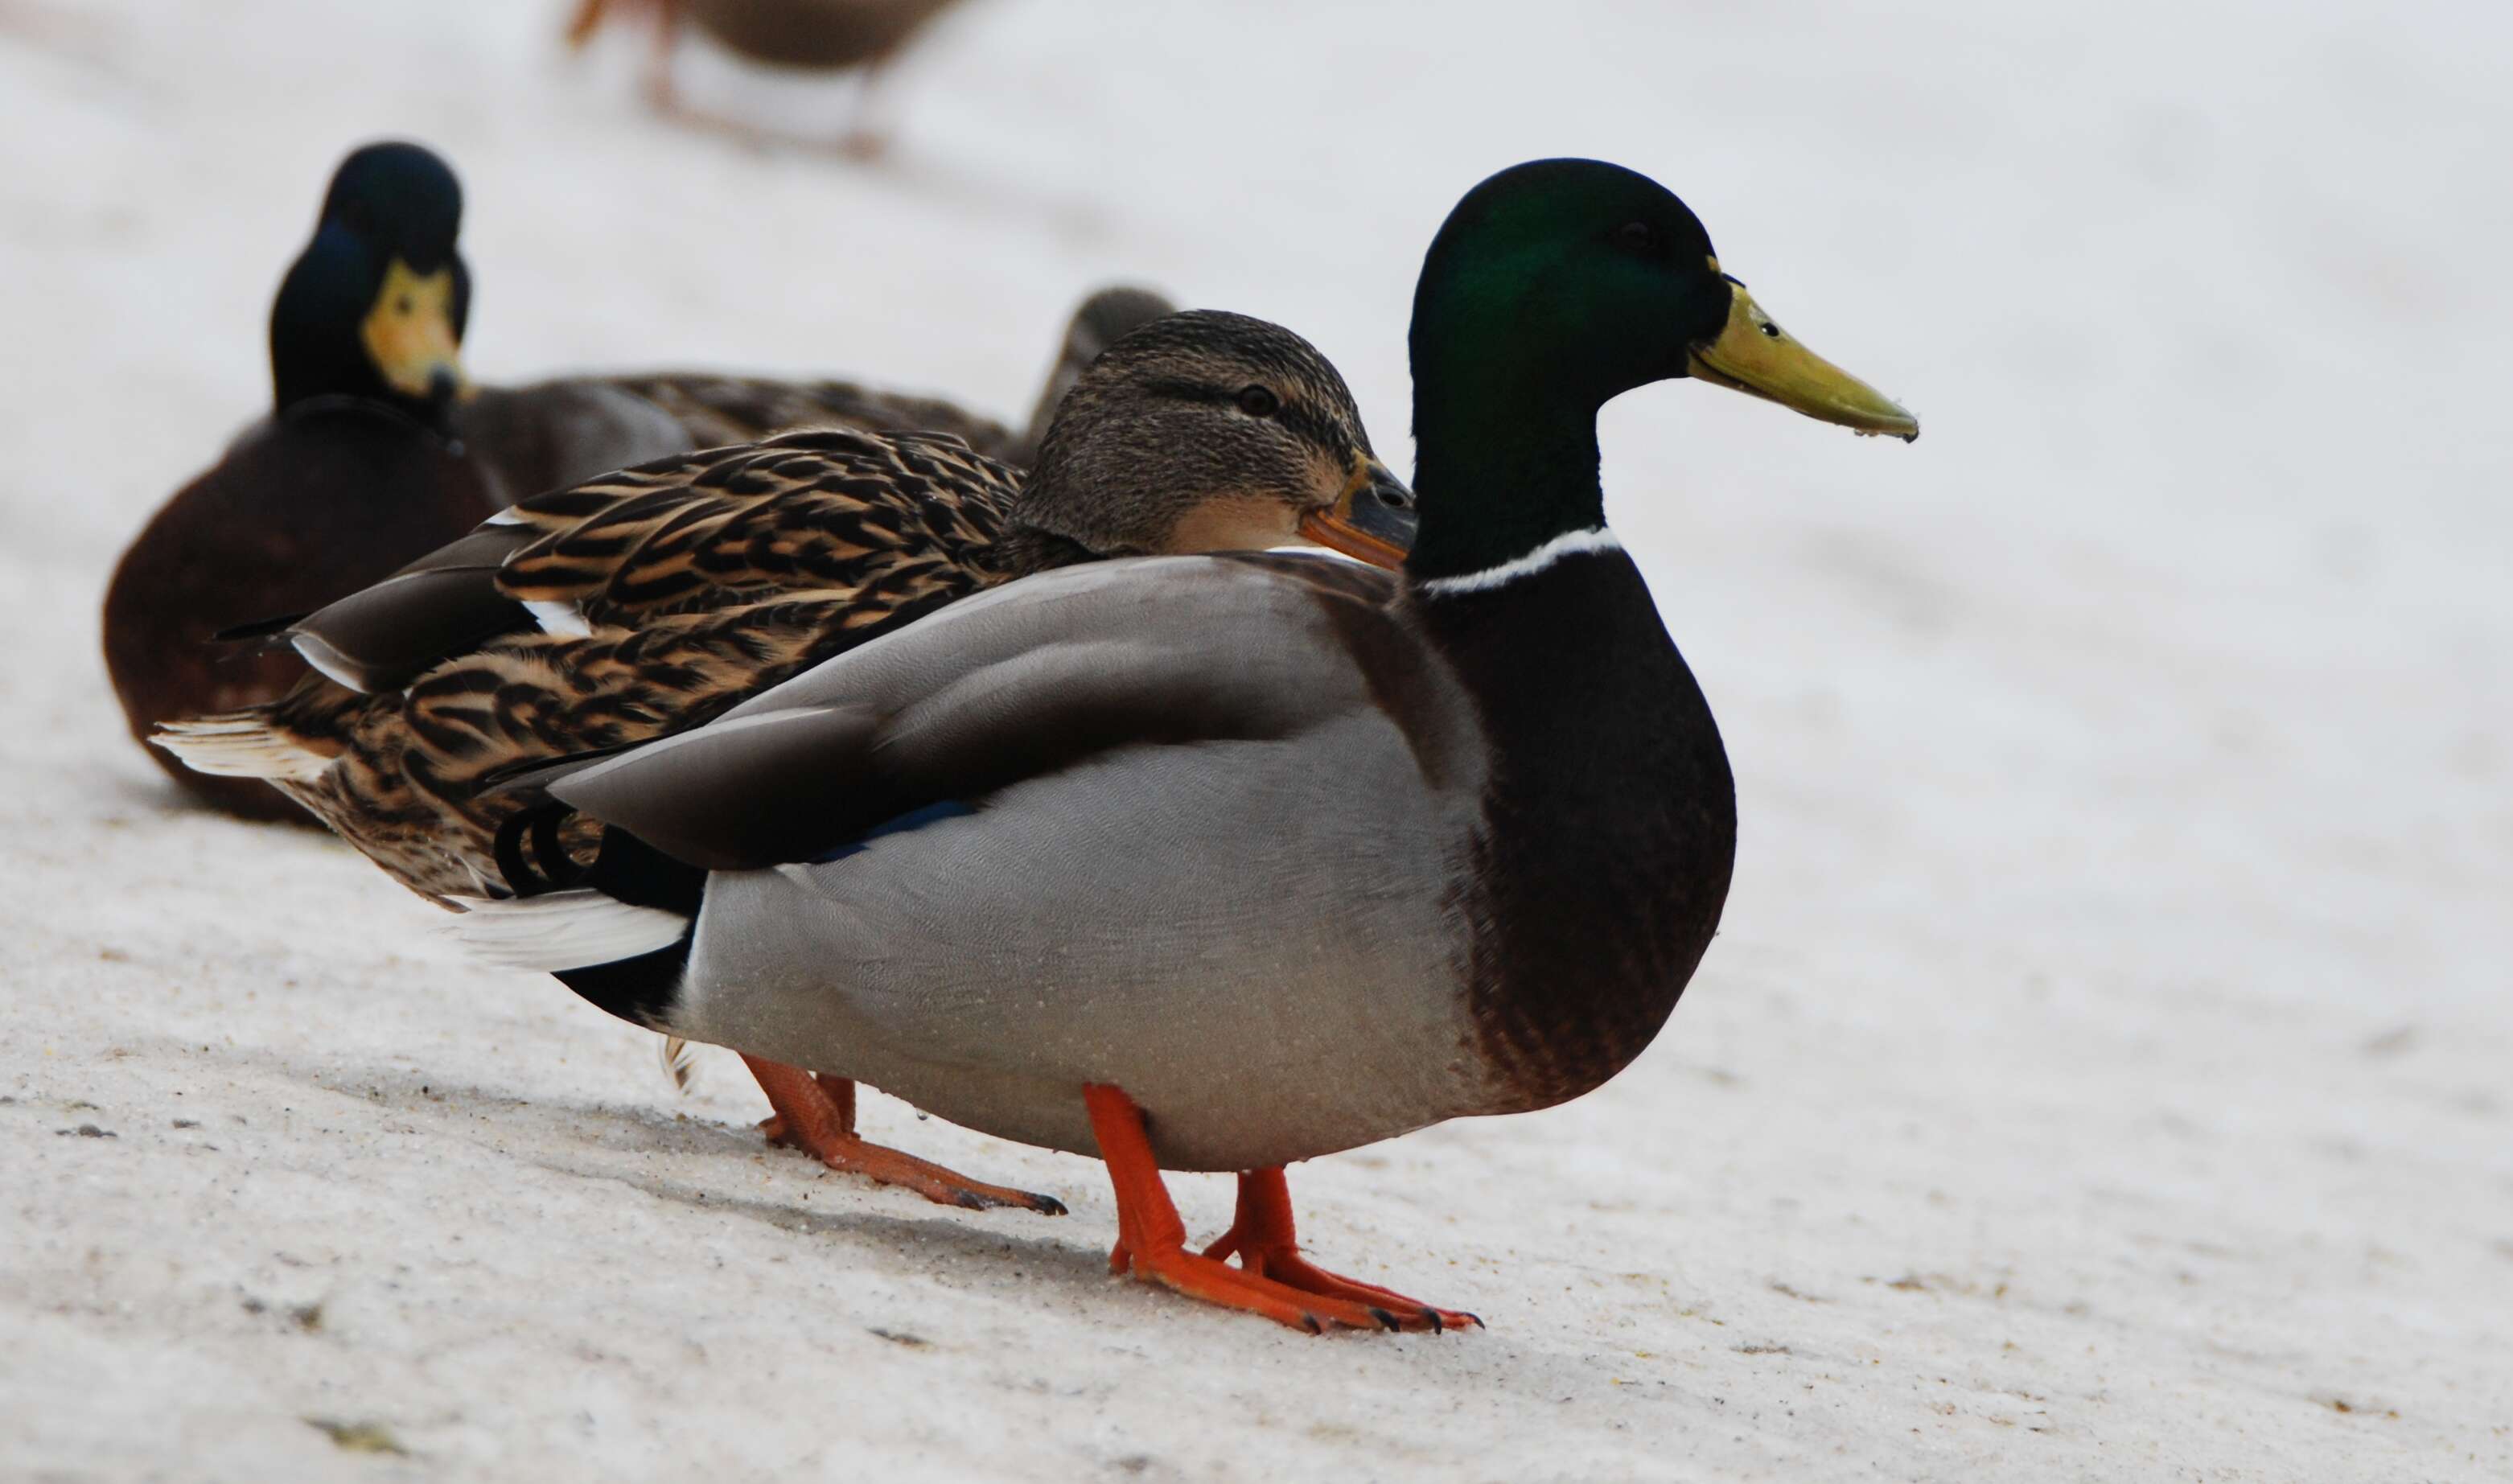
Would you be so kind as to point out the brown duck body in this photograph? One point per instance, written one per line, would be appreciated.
(304, 507)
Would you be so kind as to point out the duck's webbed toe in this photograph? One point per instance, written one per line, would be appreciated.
(1261, 1236)
(818, 1115)
(1274, 1280)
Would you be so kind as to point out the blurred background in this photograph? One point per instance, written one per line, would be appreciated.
(2124, 767)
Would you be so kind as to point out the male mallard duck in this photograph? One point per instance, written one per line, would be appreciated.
(1222, 862)
(378, 449)
(803, 36)
(355, 470)
(624, 608)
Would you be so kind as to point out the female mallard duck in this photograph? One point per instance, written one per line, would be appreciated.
(607, 614)
(1223, 862)
(378, 449)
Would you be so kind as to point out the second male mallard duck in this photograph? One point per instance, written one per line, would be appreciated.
(625, 609)
(1223, 862)
(356, 469)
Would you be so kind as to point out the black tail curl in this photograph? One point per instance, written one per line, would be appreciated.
(535, 861)
(549, 868)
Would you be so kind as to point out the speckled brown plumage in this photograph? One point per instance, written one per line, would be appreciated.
(827, 511)
(704, 579)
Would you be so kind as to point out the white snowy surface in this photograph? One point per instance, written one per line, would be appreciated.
(2102, 1070)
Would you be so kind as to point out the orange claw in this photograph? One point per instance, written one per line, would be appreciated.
(1277, 1284)
(818, 1115)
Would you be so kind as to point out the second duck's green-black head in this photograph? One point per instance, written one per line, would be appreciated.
(374, 307)
(1553, 287)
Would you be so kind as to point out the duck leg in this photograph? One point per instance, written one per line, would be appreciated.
(1151, 1241)
(818, 1115)
(1260, 1235)
(661, 92)
(866, 138)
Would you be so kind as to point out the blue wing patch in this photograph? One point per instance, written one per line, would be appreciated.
(914, 819)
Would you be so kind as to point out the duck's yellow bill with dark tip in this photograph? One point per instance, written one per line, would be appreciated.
(1753, 354)
(408, 333)
(1373, 519)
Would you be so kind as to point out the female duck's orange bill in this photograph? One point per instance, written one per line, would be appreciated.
(1373, 520)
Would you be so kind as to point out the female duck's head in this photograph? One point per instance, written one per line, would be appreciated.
(374, 308)
(1209, 431)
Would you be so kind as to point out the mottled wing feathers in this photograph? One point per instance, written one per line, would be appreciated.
(672, 591)
(442, 604)
(823, 511)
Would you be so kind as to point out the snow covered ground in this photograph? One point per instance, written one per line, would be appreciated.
(2103, 1072)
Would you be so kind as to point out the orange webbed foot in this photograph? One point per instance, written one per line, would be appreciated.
(1261, 1235)
(1218, 1282)
(818, 1115)
(1274, 1280)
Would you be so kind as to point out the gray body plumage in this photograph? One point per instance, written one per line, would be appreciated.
(984, 966)
(564, 431)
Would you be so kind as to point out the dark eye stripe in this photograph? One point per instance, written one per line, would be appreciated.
(1295, 411)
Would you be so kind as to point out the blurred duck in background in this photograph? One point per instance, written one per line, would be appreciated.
(380, 449)
(799, 35)
(592, 618)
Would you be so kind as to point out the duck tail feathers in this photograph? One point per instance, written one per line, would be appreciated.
(563, 930)
(241, 745)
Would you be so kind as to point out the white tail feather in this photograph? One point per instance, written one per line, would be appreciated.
(242, 745)
(565, 619)
(337, 667)
(564, 930)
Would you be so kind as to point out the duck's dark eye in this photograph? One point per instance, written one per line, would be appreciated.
(1636, 236)
(1259, 402)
